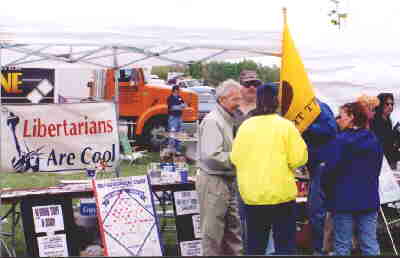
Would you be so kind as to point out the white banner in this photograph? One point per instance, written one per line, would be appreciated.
(58, 137)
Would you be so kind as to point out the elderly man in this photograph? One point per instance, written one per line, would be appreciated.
(216, 180)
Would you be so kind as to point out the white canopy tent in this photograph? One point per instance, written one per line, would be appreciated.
(141, 46)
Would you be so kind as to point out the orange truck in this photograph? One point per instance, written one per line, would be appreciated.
(144, 105)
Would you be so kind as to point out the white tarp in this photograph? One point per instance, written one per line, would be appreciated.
(58, 47)
(55, 138)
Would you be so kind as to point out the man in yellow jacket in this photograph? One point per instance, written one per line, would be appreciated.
(266, 151)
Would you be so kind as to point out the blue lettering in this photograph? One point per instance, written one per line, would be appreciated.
(83, 155)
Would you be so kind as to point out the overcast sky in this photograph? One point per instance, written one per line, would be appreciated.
(368, 44)
(371, 24)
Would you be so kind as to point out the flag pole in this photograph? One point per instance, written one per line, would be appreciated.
(284, 11)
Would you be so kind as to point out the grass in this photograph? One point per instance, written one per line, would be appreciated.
(29, 180)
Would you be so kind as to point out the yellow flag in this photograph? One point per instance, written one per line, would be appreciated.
(298, 102)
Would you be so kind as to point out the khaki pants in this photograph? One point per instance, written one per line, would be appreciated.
(219, 215)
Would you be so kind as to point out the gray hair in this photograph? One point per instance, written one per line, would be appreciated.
(225, 87)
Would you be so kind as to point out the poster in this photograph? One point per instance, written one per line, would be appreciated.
(127, 217)
(58, 137)
(27, 85)
(389, 189)
(48, 218)
(196, 226)
(186, 202)
(53, 246)
(191, 248)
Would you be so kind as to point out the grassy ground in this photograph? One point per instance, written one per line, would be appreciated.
(14, 180)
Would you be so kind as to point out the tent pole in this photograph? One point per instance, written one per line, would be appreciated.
(1, 144)
(116, 101)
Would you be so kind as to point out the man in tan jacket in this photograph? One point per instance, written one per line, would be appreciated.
(216, 179)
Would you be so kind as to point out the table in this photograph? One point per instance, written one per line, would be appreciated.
(81, 190)
(14, 196)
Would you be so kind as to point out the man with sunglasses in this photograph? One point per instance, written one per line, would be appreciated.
(249, 81)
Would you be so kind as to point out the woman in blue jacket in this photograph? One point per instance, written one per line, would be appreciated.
(350, 178)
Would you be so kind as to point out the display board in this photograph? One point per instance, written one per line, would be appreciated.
(58, 137)
(49, 227)
(187, 219)
(127, 217)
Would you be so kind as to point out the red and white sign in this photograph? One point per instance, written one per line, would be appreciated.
(58, 137)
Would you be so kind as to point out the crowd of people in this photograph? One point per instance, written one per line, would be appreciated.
(246, 182)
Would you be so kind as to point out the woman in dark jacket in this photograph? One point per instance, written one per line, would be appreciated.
(350, 179)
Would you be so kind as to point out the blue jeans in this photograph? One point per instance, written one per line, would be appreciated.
(175, 125)
(316, 210)
(365, 223)
(260, 219)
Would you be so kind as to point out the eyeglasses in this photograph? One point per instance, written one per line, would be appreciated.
(389, 104)
(254, 83)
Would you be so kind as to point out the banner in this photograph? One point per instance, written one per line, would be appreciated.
(58, 137)
(27, 85)
(298, 102)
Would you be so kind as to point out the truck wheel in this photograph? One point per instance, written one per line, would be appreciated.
(152, 130)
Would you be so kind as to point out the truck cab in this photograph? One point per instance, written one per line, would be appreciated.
(145, 105)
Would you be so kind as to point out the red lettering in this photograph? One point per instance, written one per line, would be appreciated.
(26, 129)
(109, 126)
(58, 129)
(42, 129)
(65, 127)
(81, 124)
(51, 129)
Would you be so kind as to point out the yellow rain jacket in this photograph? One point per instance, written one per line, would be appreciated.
(265, 152)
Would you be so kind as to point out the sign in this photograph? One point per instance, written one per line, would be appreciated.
(53, 246)
(27, 85)
(58, 137)
(389, 189)
(196, 226)
(127, 218)
(191, 248)
(87, 207)
(186, 202)
(49, 226)
(187, 220)
(48, 218)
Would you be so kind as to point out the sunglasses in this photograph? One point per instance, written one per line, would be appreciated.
(254, 83)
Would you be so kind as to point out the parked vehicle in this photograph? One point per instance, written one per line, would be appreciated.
(207, 99)
(144, 104)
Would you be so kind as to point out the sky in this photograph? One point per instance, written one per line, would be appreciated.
(364, 52)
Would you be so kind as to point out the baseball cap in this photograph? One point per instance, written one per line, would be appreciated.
(248, 75)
